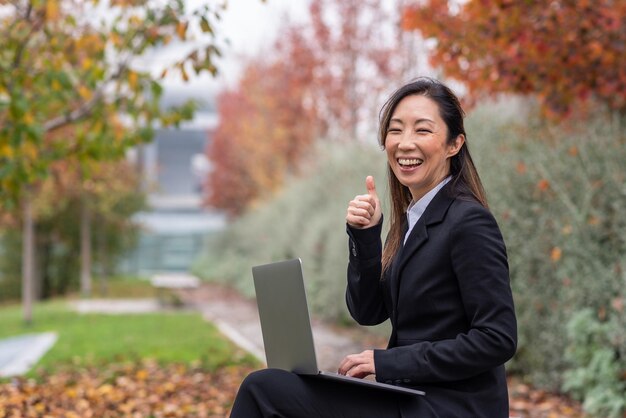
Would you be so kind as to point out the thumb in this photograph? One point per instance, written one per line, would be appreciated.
(371, 187)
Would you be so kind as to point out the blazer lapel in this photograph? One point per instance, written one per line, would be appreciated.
(394, 277)
(434, 213)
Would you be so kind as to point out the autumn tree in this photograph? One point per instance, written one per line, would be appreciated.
(110, 194)
(323, 80)
(563, 51)
(265, 127)
(72, 87)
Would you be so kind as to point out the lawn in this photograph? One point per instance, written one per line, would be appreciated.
(171, 364)
(97, 339)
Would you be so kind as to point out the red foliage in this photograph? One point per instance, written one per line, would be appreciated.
(318, 82)
(265, 126)
(565, 51)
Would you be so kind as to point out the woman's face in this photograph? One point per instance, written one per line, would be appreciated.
(416, 145)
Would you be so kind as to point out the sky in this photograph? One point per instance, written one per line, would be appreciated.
(247, 26)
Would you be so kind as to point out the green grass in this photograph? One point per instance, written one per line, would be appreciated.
(123, 287)
(97, 339)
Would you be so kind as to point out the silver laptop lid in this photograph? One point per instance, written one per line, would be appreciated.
(284, 314)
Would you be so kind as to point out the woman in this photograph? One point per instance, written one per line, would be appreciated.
(442, 280)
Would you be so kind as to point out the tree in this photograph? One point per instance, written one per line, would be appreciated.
(265, 127)
(324, 79)
(72, 88)
(564, 51)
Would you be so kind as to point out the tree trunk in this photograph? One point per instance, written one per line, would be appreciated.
(85, 248)
(28, 257)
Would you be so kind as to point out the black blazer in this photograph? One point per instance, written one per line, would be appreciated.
(448, 297)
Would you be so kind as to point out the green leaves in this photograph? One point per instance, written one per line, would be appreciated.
(64, 82)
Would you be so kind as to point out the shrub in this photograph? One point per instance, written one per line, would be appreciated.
(306, 220)
(595, 375)
(559, 193)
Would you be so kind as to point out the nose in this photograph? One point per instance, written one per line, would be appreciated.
(407, 142)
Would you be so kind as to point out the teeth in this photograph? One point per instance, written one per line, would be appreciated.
(410, 161)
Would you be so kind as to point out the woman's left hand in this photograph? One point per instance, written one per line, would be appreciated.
(358, 365)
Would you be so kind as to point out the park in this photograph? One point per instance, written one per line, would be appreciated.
(131, 214)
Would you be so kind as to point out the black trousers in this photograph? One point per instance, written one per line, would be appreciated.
(278, 393)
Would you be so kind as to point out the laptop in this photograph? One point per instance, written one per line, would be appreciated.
(286, 326)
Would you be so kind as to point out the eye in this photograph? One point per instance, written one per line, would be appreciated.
(424, 131)
(394, 130)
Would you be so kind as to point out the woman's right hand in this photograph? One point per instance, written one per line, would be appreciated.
(364, 210)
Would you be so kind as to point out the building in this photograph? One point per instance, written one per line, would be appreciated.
(176, 226)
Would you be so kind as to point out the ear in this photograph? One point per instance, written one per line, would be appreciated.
(455, 147)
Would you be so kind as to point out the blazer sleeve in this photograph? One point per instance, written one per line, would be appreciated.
(364, 294)
(479, 262)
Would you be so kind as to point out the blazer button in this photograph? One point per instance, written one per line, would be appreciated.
(397, 382)
(388, 382)
(354, 252)
(407, 380)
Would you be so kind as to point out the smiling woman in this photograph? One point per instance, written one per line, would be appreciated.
(442, 280)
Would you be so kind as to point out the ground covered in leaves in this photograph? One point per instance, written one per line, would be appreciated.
(124, 390)
(149, 390)
(526, 402)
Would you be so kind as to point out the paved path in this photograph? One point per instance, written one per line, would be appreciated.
(18, 354)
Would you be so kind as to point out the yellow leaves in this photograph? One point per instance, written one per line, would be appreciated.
(105, 389)
(84, 92)
(56, 86)
(87, 64)
(6, 151)
(181, 30)
(90, 42)
(116, 39)
(132, 79)
(135, 20)
(29, 150)
(28, 118)
(161, 391)
(555, 254)
(52, 10)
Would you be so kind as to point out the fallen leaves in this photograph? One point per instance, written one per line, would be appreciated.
(124, 390)
(527, 402)
(148, 390)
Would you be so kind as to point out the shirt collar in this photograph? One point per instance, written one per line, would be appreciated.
(416, 208)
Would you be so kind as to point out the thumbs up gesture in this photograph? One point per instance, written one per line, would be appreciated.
(364, 210)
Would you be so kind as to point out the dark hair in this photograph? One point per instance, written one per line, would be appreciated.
(465, 182)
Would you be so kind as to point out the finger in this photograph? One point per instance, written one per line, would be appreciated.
(364, 202)
(359, 371)
(371, 187)
(358, 222)
(346, 364)
(363, 212)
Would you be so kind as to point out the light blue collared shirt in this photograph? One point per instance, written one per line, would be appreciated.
(416, 209)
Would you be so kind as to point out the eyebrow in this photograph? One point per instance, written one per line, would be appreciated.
(416, 122)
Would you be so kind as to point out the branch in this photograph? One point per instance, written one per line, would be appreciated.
(84, 110)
